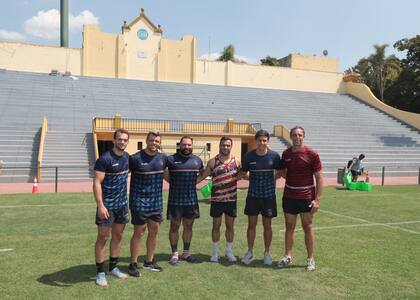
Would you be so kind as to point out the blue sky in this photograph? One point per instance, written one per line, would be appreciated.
(347, 29)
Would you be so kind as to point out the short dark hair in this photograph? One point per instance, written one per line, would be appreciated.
(297, 127)
(361, 156)
(121, 131)
(225, 138)
(186, 137)
(152, 132)
(263, 133)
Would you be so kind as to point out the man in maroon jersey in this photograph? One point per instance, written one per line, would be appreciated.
(301, 194)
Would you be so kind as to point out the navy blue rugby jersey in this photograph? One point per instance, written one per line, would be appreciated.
(147, 181)
(262, 182)
(114, 185)
(183, 172)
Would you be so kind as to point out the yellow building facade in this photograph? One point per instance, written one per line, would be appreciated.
(141, 52)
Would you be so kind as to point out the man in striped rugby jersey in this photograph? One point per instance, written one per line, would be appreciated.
(301, 194)
(110, 191)
(224, 171)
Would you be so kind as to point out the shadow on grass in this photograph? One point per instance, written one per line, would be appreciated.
(341, 188)
(70, 276)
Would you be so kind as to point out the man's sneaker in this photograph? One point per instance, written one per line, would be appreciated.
(152, 266)
(248, 258)
(101, 279)
(268, 260)
(118, 274)
(230, 257)
(189, 258)
(133, 270)
(285, 262)
(311, 265)
(173, 260)
(215, 257)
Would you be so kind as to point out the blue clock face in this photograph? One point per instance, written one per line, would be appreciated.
(142, 34)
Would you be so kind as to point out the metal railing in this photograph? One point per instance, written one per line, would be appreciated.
(174, 126)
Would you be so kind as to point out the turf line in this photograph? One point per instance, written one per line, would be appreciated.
(45, 205)
(6, 250)
(388, 225)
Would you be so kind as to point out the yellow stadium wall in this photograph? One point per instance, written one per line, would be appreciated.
(35, 58)
(362, 92)
(176, 60)
(244, 75)
(313, 63)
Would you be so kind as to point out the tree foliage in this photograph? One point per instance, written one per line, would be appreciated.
(228, 53)
(269, 61)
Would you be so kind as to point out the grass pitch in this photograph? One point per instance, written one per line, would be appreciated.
(367, 246)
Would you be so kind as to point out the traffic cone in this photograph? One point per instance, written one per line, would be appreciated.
(35, 186)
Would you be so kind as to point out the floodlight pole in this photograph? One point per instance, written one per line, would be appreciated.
(64, 23)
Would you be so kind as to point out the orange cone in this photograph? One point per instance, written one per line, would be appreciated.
(35, 186)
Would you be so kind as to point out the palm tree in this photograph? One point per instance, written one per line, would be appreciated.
(378, 71)
(228, 53)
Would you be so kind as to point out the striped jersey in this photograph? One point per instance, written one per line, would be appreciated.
(262, 181)
(147, 181)
(183, 171)
(224, 177)
(114, 185)
(301, 166)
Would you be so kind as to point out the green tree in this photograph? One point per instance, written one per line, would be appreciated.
(378, 71)
(269, 61)
(405, 91)
(228, 53)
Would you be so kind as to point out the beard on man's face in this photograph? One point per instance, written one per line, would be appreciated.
(186, 151)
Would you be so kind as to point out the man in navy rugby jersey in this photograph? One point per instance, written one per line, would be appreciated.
(301, 195)
(183, 170)
(262, 165)
(146, 202)
(110, 191)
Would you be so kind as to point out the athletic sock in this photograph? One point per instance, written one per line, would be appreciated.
(229, 247)
(215, 247)
(112, 262)
(186, 247)
(174, 247)
(100, 267)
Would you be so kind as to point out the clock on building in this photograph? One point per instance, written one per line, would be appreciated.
(142, 34)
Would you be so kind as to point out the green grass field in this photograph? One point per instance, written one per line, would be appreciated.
(367, 246)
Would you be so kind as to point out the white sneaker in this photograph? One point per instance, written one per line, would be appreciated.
(285, 262)
(311, 265)
(268, 260)
(118, 274)
(101, 279)
(230, 257)
(215, 257)
(248, 258)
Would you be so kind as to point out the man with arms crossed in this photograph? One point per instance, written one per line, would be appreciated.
(110, 191)
(146, 202)
(224, 170)
(262, 164)
(301, 195)
(183, 170)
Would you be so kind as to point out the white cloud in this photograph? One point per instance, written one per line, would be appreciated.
(240, 58)
(46, 24)
(11, 35)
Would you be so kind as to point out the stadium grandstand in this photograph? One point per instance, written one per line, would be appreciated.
(53, 107)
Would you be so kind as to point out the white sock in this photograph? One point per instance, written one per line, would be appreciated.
(215, 247)
(229, 247)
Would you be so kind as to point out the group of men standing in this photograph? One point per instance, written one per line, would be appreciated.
(299, 165)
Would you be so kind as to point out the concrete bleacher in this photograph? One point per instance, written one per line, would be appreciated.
(337, 126)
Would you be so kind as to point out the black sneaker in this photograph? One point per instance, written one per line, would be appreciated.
(133, 270)
(152, 266)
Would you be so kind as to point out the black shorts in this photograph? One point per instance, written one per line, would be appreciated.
(355, 173)
(266, 207)
(296, 206)
(116, 216)
(177, 212)
(217, 209)
(141, 218)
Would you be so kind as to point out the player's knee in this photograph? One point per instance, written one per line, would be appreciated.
(117, 236)
(103, 237)
(290, 226)
(307, 227)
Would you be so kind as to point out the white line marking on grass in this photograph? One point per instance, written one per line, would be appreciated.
(6, 250)
(389, 225)
(362, 225)
(45, 205)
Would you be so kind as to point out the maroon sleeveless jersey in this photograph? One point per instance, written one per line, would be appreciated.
(224, 177)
